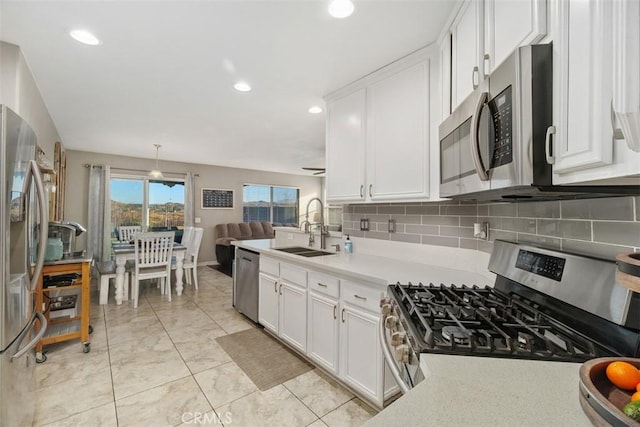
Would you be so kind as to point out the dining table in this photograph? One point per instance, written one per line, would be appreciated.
(125, 251)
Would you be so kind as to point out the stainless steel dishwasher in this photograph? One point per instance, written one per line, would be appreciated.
(245, 283)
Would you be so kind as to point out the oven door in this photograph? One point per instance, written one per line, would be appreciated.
(463, 146)
(403, 361)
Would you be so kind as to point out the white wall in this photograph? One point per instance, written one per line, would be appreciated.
(19, 91)
(209, 177)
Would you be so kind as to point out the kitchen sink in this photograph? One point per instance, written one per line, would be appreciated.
(304, 251)
(295, 249)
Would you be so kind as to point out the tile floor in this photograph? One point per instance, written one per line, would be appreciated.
(160, 365)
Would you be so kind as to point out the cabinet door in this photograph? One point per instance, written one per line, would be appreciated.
(509, 24)
(397, 135)
(345, 148)
(293, 315)
(360, 352)
(322, 334)
(466, 48)
(583, 86)
(268, 302)
(445, 75)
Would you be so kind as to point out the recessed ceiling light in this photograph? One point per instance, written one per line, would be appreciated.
(85, 37)
(242, 87)
(341, 8)
(315, 110)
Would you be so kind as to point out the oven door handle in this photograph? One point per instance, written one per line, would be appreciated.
(395, 371)
(475, 141)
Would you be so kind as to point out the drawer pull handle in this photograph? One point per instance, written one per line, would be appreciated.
(322, 284)
(275, 286)
(359, 297)
(342, 315)
(335, 316)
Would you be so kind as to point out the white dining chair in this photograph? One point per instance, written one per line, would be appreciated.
(190, 265)
(153, 251)
(186, 236)
(126, 232)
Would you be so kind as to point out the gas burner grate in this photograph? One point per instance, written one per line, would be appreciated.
(484, 321)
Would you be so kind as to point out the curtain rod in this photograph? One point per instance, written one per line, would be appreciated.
(87, 165)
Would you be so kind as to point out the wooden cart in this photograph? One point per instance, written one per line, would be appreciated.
(65, 323)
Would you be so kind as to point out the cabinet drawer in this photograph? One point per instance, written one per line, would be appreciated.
(293, 274)
(361, 295)
(324, 283)
(270, 266)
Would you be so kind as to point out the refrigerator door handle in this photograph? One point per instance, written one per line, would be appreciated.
(34, 171)
(36, 339)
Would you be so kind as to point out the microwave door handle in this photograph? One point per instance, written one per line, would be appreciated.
(475, 141)
(34, 171)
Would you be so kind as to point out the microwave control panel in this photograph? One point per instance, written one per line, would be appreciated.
(502, 117)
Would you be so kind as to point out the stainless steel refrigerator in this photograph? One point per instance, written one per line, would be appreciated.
(23, 240)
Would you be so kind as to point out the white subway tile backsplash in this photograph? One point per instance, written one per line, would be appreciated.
(600, 227)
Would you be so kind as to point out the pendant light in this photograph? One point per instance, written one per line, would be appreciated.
(156, 173)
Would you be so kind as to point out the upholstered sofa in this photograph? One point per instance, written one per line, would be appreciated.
(227, 233)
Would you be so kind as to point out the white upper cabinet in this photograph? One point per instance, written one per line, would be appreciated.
(466, 47)
(378, 134)
(481, 36)
(510, 24)
(397, 135)
(588, 37)
(345, 147)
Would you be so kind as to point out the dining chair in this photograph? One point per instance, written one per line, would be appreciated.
(126, 232)
(190, 265)
(153, 251)
(186, 236)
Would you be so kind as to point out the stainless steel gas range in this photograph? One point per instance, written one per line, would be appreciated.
(545, 305)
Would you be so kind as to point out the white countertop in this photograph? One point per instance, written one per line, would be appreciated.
(373, 269)
(484, 391)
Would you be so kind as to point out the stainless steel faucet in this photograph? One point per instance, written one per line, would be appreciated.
(324, 230)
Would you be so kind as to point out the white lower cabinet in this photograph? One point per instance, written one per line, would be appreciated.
(360, 354)
(292, 326)
(322, 333)
(282, 301)
(268, 302)
(333, 321)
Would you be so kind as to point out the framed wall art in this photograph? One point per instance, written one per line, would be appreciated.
(216, 199)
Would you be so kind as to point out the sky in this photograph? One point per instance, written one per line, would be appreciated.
(130, 191)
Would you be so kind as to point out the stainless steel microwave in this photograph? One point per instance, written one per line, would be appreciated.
(493, 145)
(496, 145)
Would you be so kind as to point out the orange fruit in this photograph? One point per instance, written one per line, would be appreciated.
(635, 396)
(623, 375)
(638, 387)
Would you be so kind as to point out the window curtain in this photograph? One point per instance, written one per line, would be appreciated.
(189, 200)
(99, 227)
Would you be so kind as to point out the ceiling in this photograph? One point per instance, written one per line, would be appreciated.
(164, 72)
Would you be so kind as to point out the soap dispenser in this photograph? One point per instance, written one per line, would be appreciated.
(348, 246)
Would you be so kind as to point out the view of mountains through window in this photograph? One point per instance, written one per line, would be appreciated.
(164, 204)
(278, 205)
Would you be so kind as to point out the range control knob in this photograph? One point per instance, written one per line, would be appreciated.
(384, 301)
(403, 354)
(391, 323)
(386, 309)
(398, 338)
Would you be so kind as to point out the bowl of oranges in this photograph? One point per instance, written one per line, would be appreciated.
(610, 391)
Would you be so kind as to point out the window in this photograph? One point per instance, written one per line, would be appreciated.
(270, 203)
(152, 204)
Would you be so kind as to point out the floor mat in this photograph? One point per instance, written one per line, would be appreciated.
(219, 268)
(264, 360)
